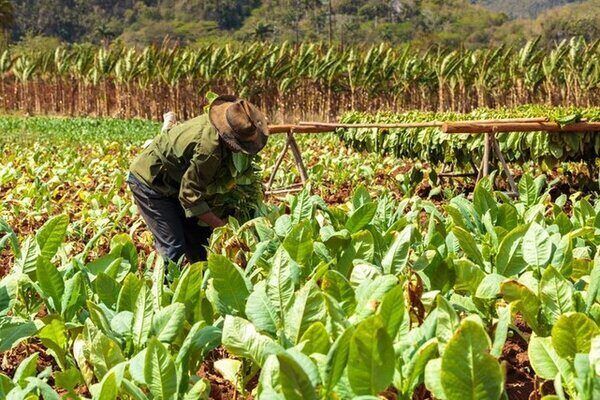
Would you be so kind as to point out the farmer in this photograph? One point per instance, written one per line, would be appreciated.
(170, 177)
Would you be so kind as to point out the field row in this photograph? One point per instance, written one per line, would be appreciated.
(377, 297)
(304, 81)
(376, 282)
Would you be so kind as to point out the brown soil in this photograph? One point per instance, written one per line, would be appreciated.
(10, 360)
(220, 388)
(521, 381)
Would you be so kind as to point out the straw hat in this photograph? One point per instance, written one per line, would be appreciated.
(239, 123)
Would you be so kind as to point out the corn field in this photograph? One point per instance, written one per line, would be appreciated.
(309, 80)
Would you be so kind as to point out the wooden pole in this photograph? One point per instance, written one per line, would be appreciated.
(486, 155)
(475, 127)
(500, 156)
(335, 125)
(278, 162)
(278, 129)
(297, 157)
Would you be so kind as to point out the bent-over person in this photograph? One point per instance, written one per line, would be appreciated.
(169, 179)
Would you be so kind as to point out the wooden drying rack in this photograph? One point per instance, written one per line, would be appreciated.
(489, 127)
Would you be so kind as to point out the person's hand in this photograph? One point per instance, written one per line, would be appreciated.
(212, 220)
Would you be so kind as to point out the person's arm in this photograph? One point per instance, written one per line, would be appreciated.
(211, 220)
(196, 178)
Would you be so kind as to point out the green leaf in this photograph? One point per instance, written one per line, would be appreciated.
(369, 295)
(168, 322)
(396, 257)
(189, 288)
(229, 369)
(200, 390)
(25, 369)
(283, 376)
(105, 353)
(447, 322)
(392, 310)
(594, 285)
(108, 389)
(572, 334)
(299, 242)
(546, 363)
(303, 207)
(468, 371)
(556, 294)
(129, 293)
(501, 331)
(261, 311)
(307, 307)
(527, 190)
(468, 276)
(68, 379)
(337, 358)
(509, 258)
(51, 282)
(483, 201)
(315, 339)
(525, 301)
(280, 283)
(26, 263)
(489, 287)
(107, 289)
(537, 247)
(51, 235)
(142, 317)
(240, 338)
(230, 284)
(468, 245)
(159, 371)
(370, 358)
(73, 298)
(134, 391)
(361, 217)
(337, 286)
(98, 317)
(433, 378)
(415, 369)
(54, 336)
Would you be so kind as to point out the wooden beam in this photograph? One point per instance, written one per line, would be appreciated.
(278, 129)
(474, 127)
(335, 125)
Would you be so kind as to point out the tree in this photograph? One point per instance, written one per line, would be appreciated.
(7, 17)
(262, 31)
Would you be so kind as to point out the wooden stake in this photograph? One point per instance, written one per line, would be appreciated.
(278, 162)
(500, 156)
(486, 155)
(297, 156)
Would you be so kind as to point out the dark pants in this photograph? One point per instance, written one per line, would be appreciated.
(174, 234)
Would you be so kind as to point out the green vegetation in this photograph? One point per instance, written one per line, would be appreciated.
(432, 145)
(448, 22)
(290, 81)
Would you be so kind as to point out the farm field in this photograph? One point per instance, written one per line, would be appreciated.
(292, 81)
(378, 280)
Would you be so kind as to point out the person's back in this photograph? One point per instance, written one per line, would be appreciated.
(164, 162)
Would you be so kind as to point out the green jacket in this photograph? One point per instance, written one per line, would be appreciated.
(183, 162)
